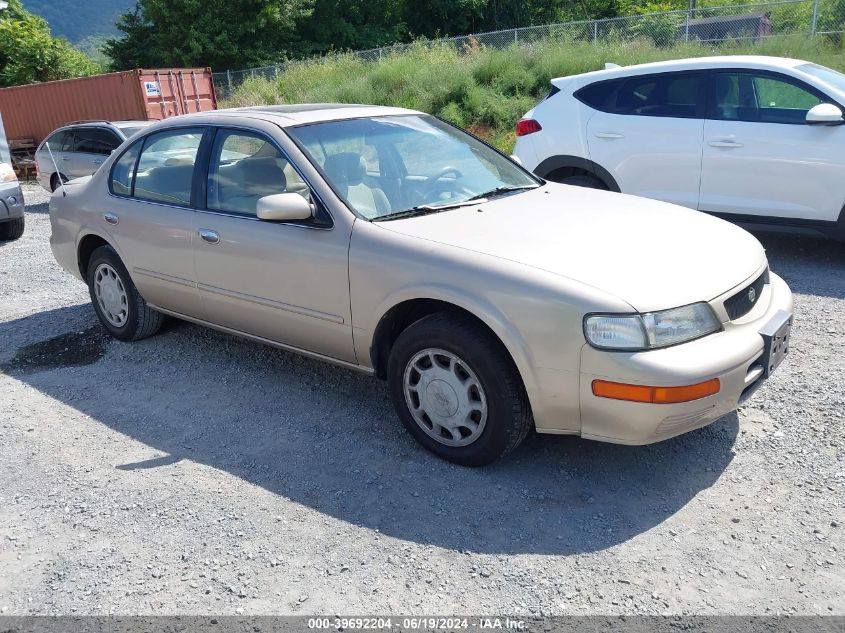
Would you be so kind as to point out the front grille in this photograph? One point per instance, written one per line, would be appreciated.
(740, 304)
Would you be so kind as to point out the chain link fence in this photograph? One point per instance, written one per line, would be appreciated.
(710, 25)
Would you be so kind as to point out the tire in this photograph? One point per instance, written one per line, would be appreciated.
(12, 229)
(117, 302)
(490, 383)
(54, 181)
(581, 180)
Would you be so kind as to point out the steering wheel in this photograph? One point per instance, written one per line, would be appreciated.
(433, 185)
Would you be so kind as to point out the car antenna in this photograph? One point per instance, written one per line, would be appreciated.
(58, 174)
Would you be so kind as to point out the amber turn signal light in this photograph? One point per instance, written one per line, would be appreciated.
(655, 395)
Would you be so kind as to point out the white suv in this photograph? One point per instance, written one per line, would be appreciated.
(756, 140)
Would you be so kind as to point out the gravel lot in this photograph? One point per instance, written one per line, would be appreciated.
(197, 473)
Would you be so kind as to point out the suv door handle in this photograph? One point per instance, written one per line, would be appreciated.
(726, 143)
(609, 135)
(207, 235)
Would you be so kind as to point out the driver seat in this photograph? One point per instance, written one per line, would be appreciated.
(348, 172)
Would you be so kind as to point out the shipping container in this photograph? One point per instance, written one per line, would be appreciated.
(35, 110)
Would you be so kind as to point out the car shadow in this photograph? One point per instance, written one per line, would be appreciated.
(809, 265)
(327, 437)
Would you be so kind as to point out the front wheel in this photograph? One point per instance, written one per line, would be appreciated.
(12, 229)
(117, 302)
(457, 390)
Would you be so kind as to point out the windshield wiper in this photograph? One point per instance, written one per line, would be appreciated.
(498, 191)
(425, 209)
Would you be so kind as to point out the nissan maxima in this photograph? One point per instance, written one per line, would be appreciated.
(387, 241)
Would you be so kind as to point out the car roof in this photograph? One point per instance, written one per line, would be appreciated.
(695, 63)
(300, 114)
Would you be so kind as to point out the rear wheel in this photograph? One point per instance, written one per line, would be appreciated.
(11, 230)
(457, 390)
(56, 180)
(117, 302)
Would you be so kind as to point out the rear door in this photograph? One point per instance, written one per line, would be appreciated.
(91, 146)
(150, 217)
(762, 159)
(648, 131)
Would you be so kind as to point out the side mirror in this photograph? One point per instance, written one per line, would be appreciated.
(284, 207)
(825, 114)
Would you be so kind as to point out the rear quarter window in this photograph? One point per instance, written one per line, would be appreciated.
(600, 95)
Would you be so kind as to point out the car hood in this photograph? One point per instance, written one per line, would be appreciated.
(651, 254)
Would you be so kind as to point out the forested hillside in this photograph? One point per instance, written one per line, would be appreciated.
(78, 20)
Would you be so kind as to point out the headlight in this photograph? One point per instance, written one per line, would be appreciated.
(7, 174)
(651, 330)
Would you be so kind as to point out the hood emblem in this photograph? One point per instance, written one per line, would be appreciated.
(752, 295)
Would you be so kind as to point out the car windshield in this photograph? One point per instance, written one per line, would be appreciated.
(130, 131)
(827, 75)
(394, 166)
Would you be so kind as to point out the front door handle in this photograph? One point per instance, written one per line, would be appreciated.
(609, 135)
(726, 143)
(207, 235)
(111, 218)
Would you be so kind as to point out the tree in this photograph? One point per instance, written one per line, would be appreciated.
(218, 33)
(29, 53)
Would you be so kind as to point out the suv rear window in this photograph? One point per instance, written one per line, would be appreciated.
(675, 95)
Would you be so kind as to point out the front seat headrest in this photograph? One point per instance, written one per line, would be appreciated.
(346, 168)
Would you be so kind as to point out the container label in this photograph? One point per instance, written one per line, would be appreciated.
(152, 88)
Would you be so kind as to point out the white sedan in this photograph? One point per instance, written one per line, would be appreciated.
(755, 140)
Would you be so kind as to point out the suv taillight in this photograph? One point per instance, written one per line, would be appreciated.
(527, 126)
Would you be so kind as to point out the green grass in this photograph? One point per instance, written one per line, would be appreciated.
(486, 90)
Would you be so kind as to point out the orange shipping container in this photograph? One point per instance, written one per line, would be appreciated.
(35, 110)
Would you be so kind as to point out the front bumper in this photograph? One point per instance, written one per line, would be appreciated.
(734, 356)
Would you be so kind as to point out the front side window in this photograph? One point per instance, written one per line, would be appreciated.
(244, 168)
(166, 166)
(383, 166)
(94, 140)
(761, 99)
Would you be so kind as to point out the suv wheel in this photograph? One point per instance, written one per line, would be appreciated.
(12, 229)
(457, 390)
(117, 302)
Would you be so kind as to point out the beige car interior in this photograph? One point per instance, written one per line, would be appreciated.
(348, 171)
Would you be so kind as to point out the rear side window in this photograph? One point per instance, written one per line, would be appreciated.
(95, 140)
(598, 95)
(159, 167)
(123, 171)
(673, 95)
(60, 141)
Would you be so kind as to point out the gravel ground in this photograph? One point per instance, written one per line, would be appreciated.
(196, 473)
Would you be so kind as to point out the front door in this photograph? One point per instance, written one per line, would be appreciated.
(762, 159)
(285, 282)
(649, 136)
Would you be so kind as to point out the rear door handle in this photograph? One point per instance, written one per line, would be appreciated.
(111, 218)
(725, 143)
(609, 135)
(207, 235)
